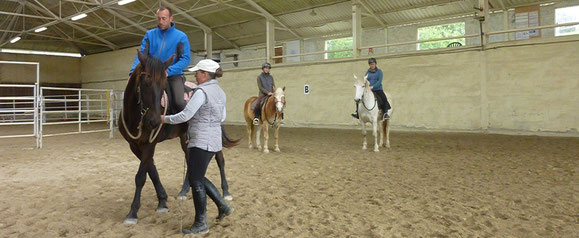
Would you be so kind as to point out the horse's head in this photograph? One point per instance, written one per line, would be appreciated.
(151, 82)
(360, 85)
(279, 99)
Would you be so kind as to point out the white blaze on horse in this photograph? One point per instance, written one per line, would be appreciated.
(369, 111)
(271, 114)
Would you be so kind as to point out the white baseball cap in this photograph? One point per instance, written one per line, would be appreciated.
(206, 65)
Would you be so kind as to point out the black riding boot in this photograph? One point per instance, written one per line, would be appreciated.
(355, 115)
(222, 206)
(200, 225)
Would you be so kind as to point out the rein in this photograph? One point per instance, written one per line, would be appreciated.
(363, 103)
(276, 112)
(143, 111)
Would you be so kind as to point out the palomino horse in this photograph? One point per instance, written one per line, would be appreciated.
(141, 126)
(271, 113)
(368, 111)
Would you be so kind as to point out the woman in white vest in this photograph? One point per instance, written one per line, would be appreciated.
(205, 112)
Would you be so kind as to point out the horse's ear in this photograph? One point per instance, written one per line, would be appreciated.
(274, 88)
(142, 58)
(355, 77)
(169, 61)
(283, 88)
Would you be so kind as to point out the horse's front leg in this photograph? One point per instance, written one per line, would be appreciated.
(364, 135)
(220, 159)
(249, 127)
(185, 188)
(161, 193)
(375, 134)
(387, 132)
(381, 131)
(140, 178)
(265, 137)
(276, 149)
(257, 130)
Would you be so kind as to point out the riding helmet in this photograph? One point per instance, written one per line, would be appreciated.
(371, 60)
(266, 65)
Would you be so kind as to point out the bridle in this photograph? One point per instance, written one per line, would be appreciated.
(276, 112)
(143, 110)
(363, 103)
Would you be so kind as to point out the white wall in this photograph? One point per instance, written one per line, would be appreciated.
(521, 86)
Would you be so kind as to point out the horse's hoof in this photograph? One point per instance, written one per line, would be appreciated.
(130, 221)
(376, 150)
(266, 151)
(162, 210)
(276, 150)
(182, 198)
(364, 148)
(228, 197)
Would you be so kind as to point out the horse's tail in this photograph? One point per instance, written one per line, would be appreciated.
(226, 141)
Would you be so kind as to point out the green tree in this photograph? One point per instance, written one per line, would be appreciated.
(339, 44)
(440, 31)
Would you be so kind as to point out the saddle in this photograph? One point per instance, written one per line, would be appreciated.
(189, 86)
(263, 100)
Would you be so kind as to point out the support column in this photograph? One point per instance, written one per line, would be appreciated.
(386, 39)
(506, 37)
(209, 44)
(270, 40)
(356, 27)
(483, 6)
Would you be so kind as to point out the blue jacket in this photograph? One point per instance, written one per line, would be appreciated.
(375, 79)
(163, 44)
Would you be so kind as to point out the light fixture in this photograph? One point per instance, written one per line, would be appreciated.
(33, 52)
(41, 29)
(15, 39)
(313, 13)
(78, 17)
(123, 2)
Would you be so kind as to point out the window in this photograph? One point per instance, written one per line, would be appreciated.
(339, 44)
(440, 31)
(566, 15)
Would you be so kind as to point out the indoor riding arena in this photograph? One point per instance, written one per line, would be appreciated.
(481, 140)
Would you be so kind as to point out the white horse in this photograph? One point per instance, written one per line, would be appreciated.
(368, 111)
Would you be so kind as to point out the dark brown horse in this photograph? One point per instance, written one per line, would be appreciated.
(141, 127)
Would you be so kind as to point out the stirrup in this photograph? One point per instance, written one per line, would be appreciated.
(256, 121)
(386, 116)
(355, 115)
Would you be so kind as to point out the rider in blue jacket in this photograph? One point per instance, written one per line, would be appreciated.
(375, 76)
(163, 42)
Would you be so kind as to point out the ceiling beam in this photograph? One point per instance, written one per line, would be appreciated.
(58, 31)
(501, 3)
(416, 6)
(68, 18)
(10, 26)
(192, 19)
(372, 14)
(123, 18)
(42, 8)
(58, 38)
(268, 15)
(25, 15)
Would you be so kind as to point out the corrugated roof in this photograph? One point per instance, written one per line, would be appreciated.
(236, 20)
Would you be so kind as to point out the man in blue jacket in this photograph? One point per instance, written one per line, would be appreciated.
(375, 78)
(163, 42)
